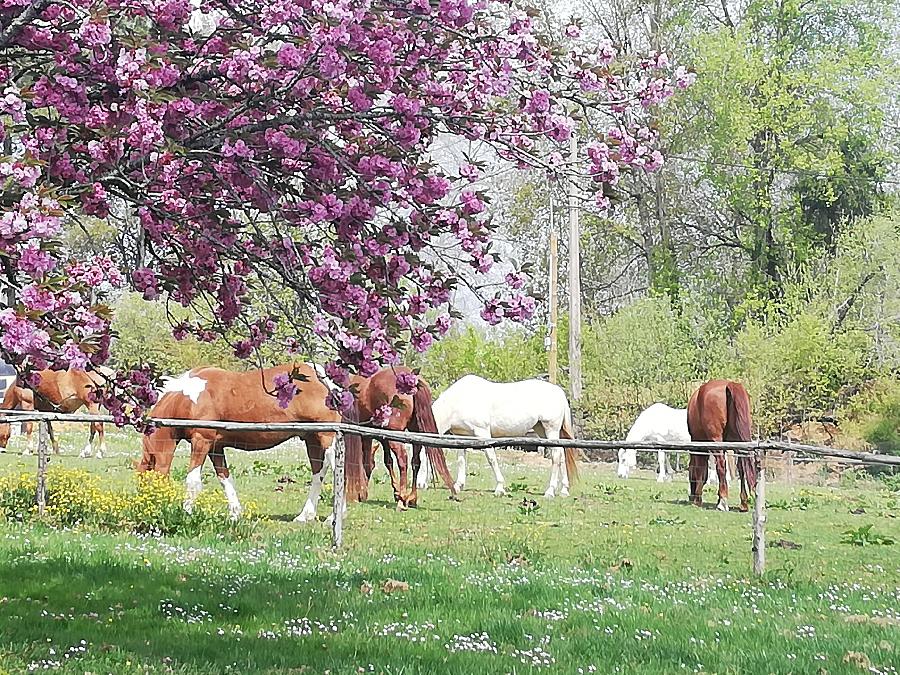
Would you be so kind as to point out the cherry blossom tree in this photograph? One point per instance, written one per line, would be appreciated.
(280, 149)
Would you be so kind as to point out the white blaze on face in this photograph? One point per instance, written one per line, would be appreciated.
(186, 384)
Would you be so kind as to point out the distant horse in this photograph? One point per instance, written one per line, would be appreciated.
(408, 413)
(216, 394)
(659, 424)
(60, 391)
(720, 411)
(474, 406)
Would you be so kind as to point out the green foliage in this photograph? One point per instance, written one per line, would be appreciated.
(516, 356)
(144, 335)
(866, 536)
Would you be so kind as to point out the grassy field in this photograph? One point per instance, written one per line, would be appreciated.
(624, 577)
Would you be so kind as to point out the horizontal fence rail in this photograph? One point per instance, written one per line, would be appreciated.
(450, 442)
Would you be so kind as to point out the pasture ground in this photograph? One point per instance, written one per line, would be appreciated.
(623, 577)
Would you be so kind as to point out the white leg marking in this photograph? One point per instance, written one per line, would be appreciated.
(234, 505)
(460, 471)
(102, 450)
(556, 461)
(424, 470)
(194, 485)
(623, 465)
(88, 450)
(491, 455)
(564, 472)
(661, 459)
(308, 513)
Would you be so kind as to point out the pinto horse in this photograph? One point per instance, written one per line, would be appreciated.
(409, 412)
(720, 411)
(216, 394)
(62, 391)
(474, 406)
(660, 423)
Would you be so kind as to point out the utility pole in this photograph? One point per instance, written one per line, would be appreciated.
(574, 282)
(552, 358)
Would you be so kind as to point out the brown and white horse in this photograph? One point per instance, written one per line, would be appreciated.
(720, 411)
(215, 394)
(62, 391)
(409, 412)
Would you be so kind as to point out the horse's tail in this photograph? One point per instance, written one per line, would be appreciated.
(738, 426)
(571, 454)
(423, 421)
(356, 481)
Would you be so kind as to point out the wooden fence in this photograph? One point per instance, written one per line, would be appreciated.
(757, 449)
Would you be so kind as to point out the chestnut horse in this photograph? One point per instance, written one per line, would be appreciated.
(720, 411)
(62, 391)
(216, 394)
(409, 412)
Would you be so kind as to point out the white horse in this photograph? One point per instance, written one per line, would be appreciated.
(474, 406)
(658, 424)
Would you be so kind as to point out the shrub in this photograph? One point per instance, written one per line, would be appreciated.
(77, 498)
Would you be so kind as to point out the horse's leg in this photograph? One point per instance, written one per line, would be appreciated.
(53, 441)
(89, 446)
(745, 503)
(732, 471)
(721, 470)
(412, 498)
(217, 457)
(389, 465)
(424, 468)
(698, 466)
(28, 429)
(399, 451)
(491, 455)
(461, 470)
(661, 460)
(200, 448)
(558, 474)
(368, 452)
(320, 460)
(622, 471)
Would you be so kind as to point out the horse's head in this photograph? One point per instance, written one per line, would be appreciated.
(5, 433)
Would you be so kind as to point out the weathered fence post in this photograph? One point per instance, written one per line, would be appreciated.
(759, 517)
(41, 495)
(340, 498)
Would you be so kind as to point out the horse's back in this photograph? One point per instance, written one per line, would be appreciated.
(660, 422)
(707, 410)
(505, 408)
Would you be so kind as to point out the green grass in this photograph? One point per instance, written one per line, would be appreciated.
(622, 577)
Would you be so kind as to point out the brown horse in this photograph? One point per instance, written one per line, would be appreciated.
(216, 394)
(720, 411)
(408, 412)
(62, 391)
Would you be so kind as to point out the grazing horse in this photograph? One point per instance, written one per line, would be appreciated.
(660, 424)
(216, 394)
(409, 412)
(720, 411)
(62, 391)
(474, 406)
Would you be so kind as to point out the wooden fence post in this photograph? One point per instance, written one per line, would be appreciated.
(340, 498)
(759, 517)
(41, 495)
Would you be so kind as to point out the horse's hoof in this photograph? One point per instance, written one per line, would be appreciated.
(722, 506)
(422, 485)
(459, 487)
(550, 493)
(305, 517)
(499, 491)
(661, 479)
(564, 492)
(744, 507)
